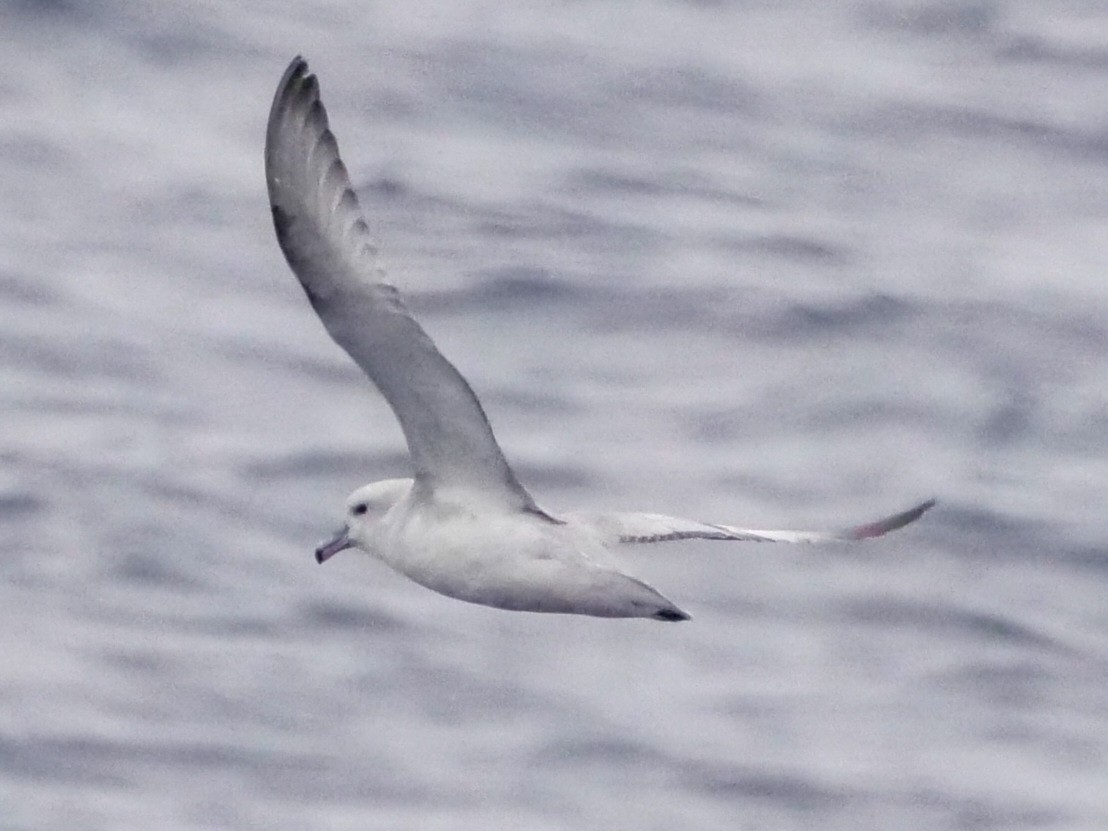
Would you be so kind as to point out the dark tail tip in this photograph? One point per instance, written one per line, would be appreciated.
(671, 615)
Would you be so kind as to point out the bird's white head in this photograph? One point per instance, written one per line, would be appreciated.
(365, 507)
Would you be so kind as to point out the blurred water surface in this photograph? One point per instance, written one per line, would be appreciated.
(780, 264)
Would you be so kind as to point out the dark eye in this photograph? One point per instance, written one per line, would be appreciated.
(360, 509)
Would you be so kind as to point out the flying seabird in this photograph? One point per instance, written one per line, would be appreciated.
(463, 525)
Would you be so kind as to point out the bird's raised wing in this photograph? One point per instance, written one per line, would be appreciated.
(625, 528)
(325, 239)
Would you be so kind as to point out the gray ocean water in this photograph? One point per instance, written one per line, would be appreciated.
(779, 264)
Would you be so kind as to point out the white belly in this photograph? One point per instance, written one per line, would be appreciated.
(513, 561)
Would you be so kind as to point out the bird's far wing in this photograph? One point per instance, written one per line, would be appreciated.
(325, 239)
(624, 528)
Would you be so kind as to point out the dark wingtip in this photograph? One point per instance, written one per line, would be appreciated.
(912, 514)
(892, 523)
(297, 68)
(287, 87)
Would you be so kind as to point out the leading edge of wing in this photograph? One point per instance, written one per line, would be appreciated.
(327, 243)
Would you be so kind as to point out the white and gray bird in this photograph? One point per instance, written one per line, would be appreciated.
(463, 525)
